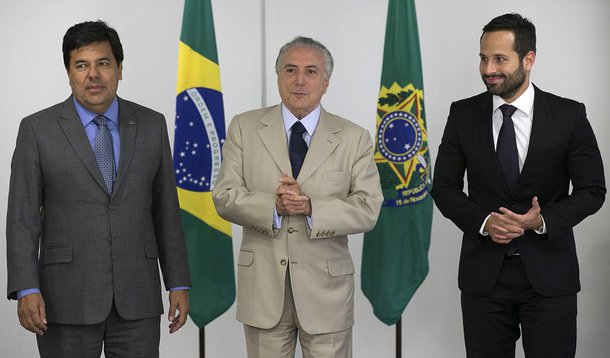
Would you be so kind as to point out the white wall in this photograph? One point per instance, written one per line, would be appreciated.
(572, 61)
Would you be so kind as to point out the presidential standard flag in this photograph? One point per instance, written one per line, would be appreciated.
(199, 135)
(395, 252)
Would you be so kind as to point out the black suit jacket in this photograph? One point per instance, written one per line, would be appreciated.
(562, 151)
(84, 249)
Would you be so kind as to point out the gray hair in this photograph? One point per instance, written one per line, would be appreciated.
(301, 41)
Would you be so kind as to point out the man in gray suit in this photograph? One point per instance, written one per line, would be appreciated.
(299, 180)
(92, 212)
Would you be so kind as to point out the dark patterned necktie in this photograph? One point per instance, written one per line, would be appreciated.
(508, 156)
(104, 152)
(506, 148)
(298, 148)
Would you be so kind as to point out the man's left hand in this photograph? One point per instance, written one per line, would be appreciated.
(290, 199)
(531, 220)
(178, 301)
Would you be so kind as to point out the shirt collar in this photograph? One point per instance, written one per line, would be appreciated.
(524, 103)
(86, 116)
(310, 121)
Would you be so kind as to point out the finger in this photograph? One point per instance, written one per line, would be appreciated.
(32, 326)
(171, 314)
(287, 180)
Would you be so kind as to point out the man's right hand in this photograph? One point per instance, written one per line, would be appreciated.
(290, 200)
(500, 231)
(32, 314)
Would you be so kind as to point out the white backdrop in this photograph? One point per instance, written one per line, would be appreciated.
(572, 61)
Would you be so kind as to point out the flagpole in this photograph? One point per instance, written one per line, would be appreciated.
(399, 338)
(202, 342)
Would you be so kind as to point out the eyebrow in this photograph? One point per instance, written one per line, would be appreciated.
(289, 65)
(97, 60)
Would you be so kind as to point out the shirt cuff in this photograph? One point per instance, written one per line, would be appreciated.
(309, 222)
(29, 291)
(482, 229)
(277, 220)
(542, 229)
(179, 288)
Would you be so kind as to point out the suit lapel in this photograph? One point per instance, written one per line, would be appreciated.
(127, 132)
(322, 144)
(273, 136)
(540, 128)
(76, 135)
(485, 133)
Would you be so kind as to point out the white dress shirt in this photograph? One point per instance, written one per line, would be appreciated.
(310, 122)
(522, 120)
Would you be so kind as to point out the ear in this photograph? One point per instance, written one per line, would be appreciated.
(120, 71)
(528, 60)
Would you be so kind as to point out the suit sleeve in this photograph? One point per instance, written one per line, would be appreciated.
(448, 183)
(24, 214)
(358, 211)
(232, 198)
(168, 225)
(586, 172)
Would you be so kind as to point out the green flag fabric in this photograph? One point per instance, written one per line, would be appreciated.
(395, 252)
(199, 135)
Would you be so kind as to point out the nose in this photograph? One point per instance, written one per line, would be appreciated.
(300, 78)
(94, 72)
(487, 67)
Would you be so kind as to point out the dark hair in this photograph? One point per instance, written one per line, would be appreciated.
(523, 29)
(89, 32)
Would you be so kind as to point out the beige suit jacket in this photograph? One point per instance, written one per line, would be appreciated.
(341, 179)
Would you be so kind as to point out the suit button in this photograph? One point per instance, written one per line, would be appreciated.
(290, 230)
(111, 207)
(283, 262)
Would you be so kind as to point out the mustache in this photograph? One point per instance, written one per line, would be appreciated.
(494, 75)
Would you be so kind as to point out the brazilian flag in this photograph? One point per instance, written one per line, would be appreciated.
(395, 252)
(199, 136)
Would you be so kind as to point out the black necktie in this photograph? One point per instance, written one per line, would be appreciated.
(508, 156)
(298, 148)
(104, 152)
(506, 148)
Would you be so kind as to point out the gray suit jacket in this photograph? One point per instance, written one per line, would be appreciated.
(82, 248)
(341, 179)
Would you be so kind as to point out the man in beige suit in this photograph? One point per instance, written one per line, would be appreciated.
(295, 272)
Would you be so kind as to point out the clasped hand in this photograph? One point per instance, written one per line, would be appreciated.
(290, 200)
(505, 225)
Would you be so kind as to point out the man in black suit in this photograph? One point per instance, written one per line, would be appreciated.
(521, 149)
(92, 213)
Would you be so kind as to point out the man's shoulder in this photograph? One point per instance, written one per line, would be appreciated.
(474, 101)
(553, 99)
(258, 113)
(46, 113)
(137, 108)
(341, 122)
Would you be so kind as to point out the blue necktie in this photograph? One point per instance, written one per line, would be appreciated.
(104, 152)
(508, 156)
(298, 148)
(506, 148)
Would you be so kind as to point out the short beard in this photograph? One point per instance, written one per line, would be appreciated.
(512, 83)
